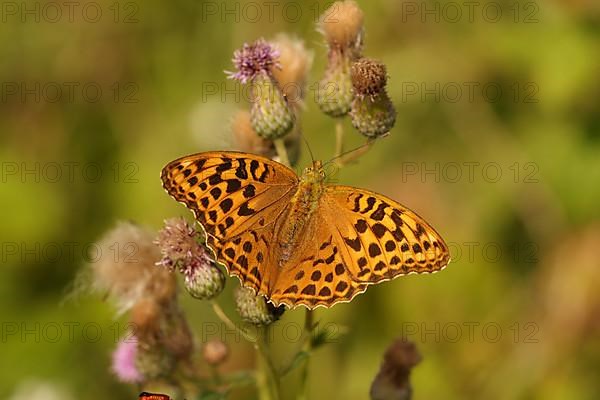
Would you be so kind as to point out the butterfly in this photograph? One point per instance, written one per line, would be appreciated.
(295, 239)
(153, 396)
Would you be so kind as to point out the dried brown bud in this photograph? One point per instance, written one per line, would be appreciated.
(126, 268)
(342, 25)
(295, 61)
(393, 380)
(145, 317)
(176, 335)
(215, 352)
(369, 77)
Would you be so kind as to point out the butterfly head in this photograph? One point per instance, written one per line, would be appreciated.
(314, 174)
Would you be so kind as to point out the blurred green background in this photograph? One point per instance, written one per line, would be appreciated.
(508, 173)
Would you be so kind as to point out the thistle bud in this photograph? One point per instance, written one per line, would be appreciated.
(175, 334)
(247, 140)
(255, 309)
(295, 61)
(369, 77)
(372, 113)
(215, 352)
(342, 26)
(180, 247)
(153, 362)
(270, 114)
(130, 274)
(203, 280)
(334, 94)
(393, 380)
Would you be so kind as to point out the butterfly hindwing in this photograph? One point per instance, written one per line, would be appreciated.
(247, 257)
(317, 275)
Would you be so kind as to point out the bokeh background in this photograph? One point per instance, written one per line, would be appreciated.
(508, 172)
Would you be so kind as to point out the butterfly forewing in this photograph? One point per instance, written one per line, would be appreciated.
(381, 239)
(236, 197)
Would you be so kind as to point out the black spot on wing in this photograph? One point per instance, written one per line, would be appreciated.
(378, 214)
(353, 243)
(309, 290)
(226, 205)
(233, 185)
(361, 226)
(370, 204)
(254, 168)
(240, 171)
(245, 211)
(379, 230)
(249, 191)
(215, 179)
(374, 250)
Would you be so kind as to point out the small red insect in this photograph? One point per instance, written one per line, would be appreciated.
(153, 396)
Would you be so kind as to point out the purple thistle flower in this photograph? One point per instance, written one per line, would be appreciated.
(252, 60)
(123, 361)
(180, 247)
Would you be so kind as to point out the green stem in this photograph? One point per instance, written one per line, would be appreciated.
(271, 388)
(339, 138)
(268, 379)
(227, 321)
(282, 152)
(216, 375)
(308, 331)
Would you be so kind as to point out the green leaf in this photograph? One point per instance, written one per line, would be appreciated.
(298, 359)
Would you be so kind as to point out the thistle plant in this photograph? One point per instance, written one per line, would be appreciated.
(271, 116)
(162, 349)
(372, 113)
(181, 248)
(342, 27)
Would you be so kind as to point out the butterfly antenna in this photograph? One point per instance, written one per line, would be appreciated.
(312, 158)
(367, 144)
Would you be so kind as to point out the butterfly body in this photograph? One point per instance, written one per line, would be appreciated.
(302, 208)
(295, 239)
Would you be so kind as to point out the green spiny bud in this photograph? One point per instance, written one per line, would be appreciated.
(372, 113)
(335, 89)
(255, 309)
(204, 282)
(270, 115)
(373, 116)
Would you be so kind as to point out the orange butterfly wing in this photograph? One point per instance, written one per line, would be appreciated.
(236, 197)
(355, 239)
